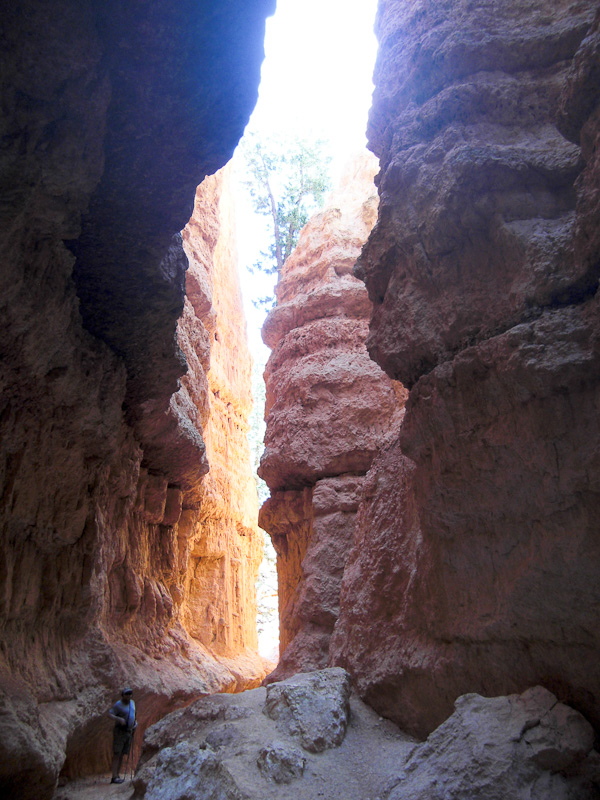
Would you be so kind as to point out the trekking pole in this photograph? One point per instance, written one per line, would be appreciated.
(132, 755)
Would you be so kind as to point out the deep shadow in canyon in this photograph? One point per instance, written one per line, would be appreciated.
(432, 444)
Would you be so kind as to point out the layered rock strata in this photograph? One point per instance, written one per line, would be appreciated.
(475, 559)
(329, 409)
(218, 530)
(112, 115)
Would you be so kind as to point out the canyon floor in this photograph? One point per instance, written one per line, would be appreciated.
(310, 737)
(371, 752)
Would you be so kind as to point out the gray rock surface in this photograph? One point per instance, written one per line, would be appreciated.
(312, 706)
(281, 763)
(227, 737)
(186, 771)
(522, 747)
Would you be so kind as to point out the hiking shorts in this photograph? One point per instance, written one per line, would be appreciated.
(122, 741)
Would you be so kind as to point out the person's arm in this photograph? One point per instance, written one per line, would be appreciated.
(119, 720)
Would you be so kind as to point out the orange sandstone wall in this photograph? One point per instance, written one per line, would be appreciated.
(220, 526)
(329, 409)
(112, 116)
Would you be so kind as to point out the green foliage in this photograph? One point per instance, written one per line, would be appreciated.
(287, 180)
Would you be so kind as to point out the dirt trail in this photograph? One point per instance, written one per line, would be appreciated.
(95, 787)
(370, 754)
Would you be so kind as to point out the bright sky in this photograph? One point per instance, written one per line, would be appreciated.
(316, 82)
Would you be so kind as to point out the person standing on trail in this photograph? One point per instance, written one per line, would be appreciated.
(123, 713)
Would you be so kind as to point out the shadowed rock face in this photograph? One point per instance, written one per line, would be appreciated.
(476, 551)
(329, 409)
(112, 114)
(475, 228)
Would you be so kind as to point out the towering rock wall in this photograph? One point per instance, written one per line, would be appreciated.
(329, 409)
(475, 559)
(112, 114)
(219, 522)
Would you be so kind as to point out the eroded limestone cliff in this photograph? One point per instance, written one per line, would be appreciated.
(481, 264)
(329, 409)
(218, 531)
(475, 552)
(112, 114)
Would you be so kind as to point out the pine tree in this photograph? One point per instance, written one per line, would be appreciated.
(287, 180)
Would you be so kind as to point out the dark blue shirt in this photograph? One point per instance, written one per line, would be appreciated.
(126, 711)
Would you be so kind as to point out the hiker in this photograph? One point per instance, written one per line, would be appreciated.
(123, 713)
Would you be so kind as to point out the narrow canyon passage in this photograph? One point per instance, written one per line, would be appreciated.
(432, 397)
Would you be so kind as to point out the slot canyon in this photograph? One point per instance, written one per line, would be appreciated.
(432, 444)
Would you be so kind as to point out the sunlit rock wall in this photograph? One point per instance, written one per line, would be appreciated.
(476, 550)
(220, 518)
(112, 114)
(329, 409)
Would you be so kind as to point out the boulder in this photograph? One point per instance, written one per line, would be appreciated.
(185, 771)
(312, 706)
(281, 763)
(313, 748)
(526, 747)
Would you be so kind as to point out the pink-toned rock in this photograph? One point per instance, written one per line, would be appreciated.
(321, 385)
(477, 199)
(475, 556)
(110, 119)
(329, 409)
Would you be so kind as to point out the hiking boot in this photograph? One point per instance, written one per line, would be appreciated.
(117, 780)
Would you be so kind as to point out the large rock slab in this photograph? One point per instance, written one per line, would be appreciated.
(526, 747)
(184, 771)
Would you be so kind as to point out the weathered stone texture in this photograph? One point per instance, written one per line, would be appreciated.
(477, 197)
(111, 115)
(476, 551)
(301, 738)
(220, 533)
(313, 707)
(524, 746)
(329, 409)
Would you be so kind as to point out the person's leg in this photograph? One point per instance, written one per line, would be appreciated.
(118, 751)
(116, 765)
